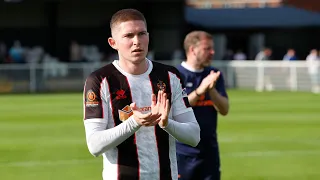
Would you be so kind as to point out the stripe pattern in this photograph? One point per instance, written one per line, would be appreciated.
(128, 161)
(160, 80)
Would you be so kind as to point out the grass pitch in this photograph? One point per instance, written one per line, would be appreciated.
(266, 136)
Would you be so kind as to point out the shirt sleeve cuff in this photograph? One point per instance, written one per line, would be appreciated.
(133, 122)
(168, 125)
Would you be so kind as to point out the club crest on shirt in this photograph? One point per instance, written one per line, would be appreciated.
(161, 86)
(121, 94)
(91, 99)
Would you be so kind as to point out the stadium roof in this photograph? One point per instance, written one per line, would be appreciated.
(251, 17)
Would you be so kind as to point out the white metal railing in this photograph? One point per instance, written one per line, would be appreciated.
(259, 75)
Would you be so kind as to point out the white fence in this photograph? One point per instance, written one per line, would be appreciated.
(272, 75)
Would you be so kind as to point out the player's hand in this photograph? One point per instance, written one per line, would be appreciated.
(215, 77)
(148, 119)
(163, 106)
(208, 82)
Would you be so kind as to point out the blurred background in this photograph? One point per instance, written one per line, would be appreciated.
(48, 45)
(267, 50)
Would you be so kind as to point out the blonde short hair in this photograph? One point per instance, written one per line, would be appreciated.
(194, 37)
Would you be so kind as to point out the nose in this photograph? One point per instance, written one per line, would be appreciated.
(212, 51)
(136, 40)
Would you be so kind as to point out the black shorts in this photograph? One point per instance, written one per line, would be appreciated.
(198, 168)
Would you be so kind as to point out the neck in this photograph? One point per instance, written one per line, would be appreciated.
(134, 68)
(193, 64)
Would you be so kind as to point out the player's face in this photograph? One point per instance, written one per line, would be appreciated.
(131, 40)
(204, 52)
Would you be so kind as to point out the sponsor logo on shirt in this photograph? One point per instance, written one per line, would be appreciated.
(91, 99)
(126, 112)
(203, 102)
(121, 94)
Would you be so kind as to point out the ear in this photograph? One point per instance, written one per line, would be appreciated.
(112, 43)
(192, 49)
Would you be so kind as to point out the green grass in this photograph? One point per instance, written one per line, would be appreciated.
(266, 136)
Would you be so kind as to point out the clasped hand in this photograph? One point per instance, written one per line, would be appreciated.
(159, 113)
(208, 82)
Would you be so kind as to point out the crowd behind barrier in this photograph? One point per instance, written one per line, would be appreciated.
(255, 75)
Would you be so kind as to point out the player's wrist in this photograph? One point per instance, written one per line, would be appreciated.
(196, 92)
(133, 118)
(163, 124)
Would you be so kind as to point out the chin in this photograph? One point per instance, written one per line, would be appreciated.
(206, 64)
(138, 60)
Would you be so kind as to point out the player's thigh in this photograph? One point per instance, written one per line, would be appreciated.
(211, 166)
(189, 168)
(211, 174)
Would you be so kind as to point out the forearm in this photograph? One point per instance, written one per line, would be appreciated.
(193, 97)
(221, 103)
(100, 140)
(187, 133)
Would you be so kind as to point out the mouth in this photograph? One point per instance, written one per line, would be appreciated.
(137, 50)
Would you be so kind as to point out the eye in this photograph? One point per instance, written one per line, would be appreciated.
(129, 35)
(142, 33)
(209, 48)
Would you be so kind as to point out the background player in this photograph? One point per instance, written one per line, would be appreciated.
(124, 120)
(207, 96)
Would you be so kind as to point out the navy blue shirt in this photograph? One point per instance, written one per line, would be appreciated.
(204, 111)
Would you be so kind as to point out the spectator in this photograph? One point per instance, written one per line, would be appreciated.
(313, 70)
(75, 52)
(264, 55)
(290, 56)
(240, 55)
(16, 53)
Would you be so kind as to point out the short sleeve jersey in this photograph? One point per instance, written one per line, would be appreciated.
(204, 111)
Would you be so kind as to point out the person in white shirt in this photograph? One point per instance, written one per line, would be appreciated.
(240, 55)
(135, 109)
(313, 63)
(264, 55)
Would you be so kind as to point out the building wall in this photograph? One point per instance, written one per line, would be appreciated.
(54, 24)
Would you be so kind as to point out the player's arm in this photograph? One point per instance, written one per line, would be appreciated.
(99, 137)
(219, 96)
(185, 128)
(193, 97)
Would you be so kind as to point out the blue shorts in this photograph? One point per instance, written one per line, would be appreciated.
(198, 168)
